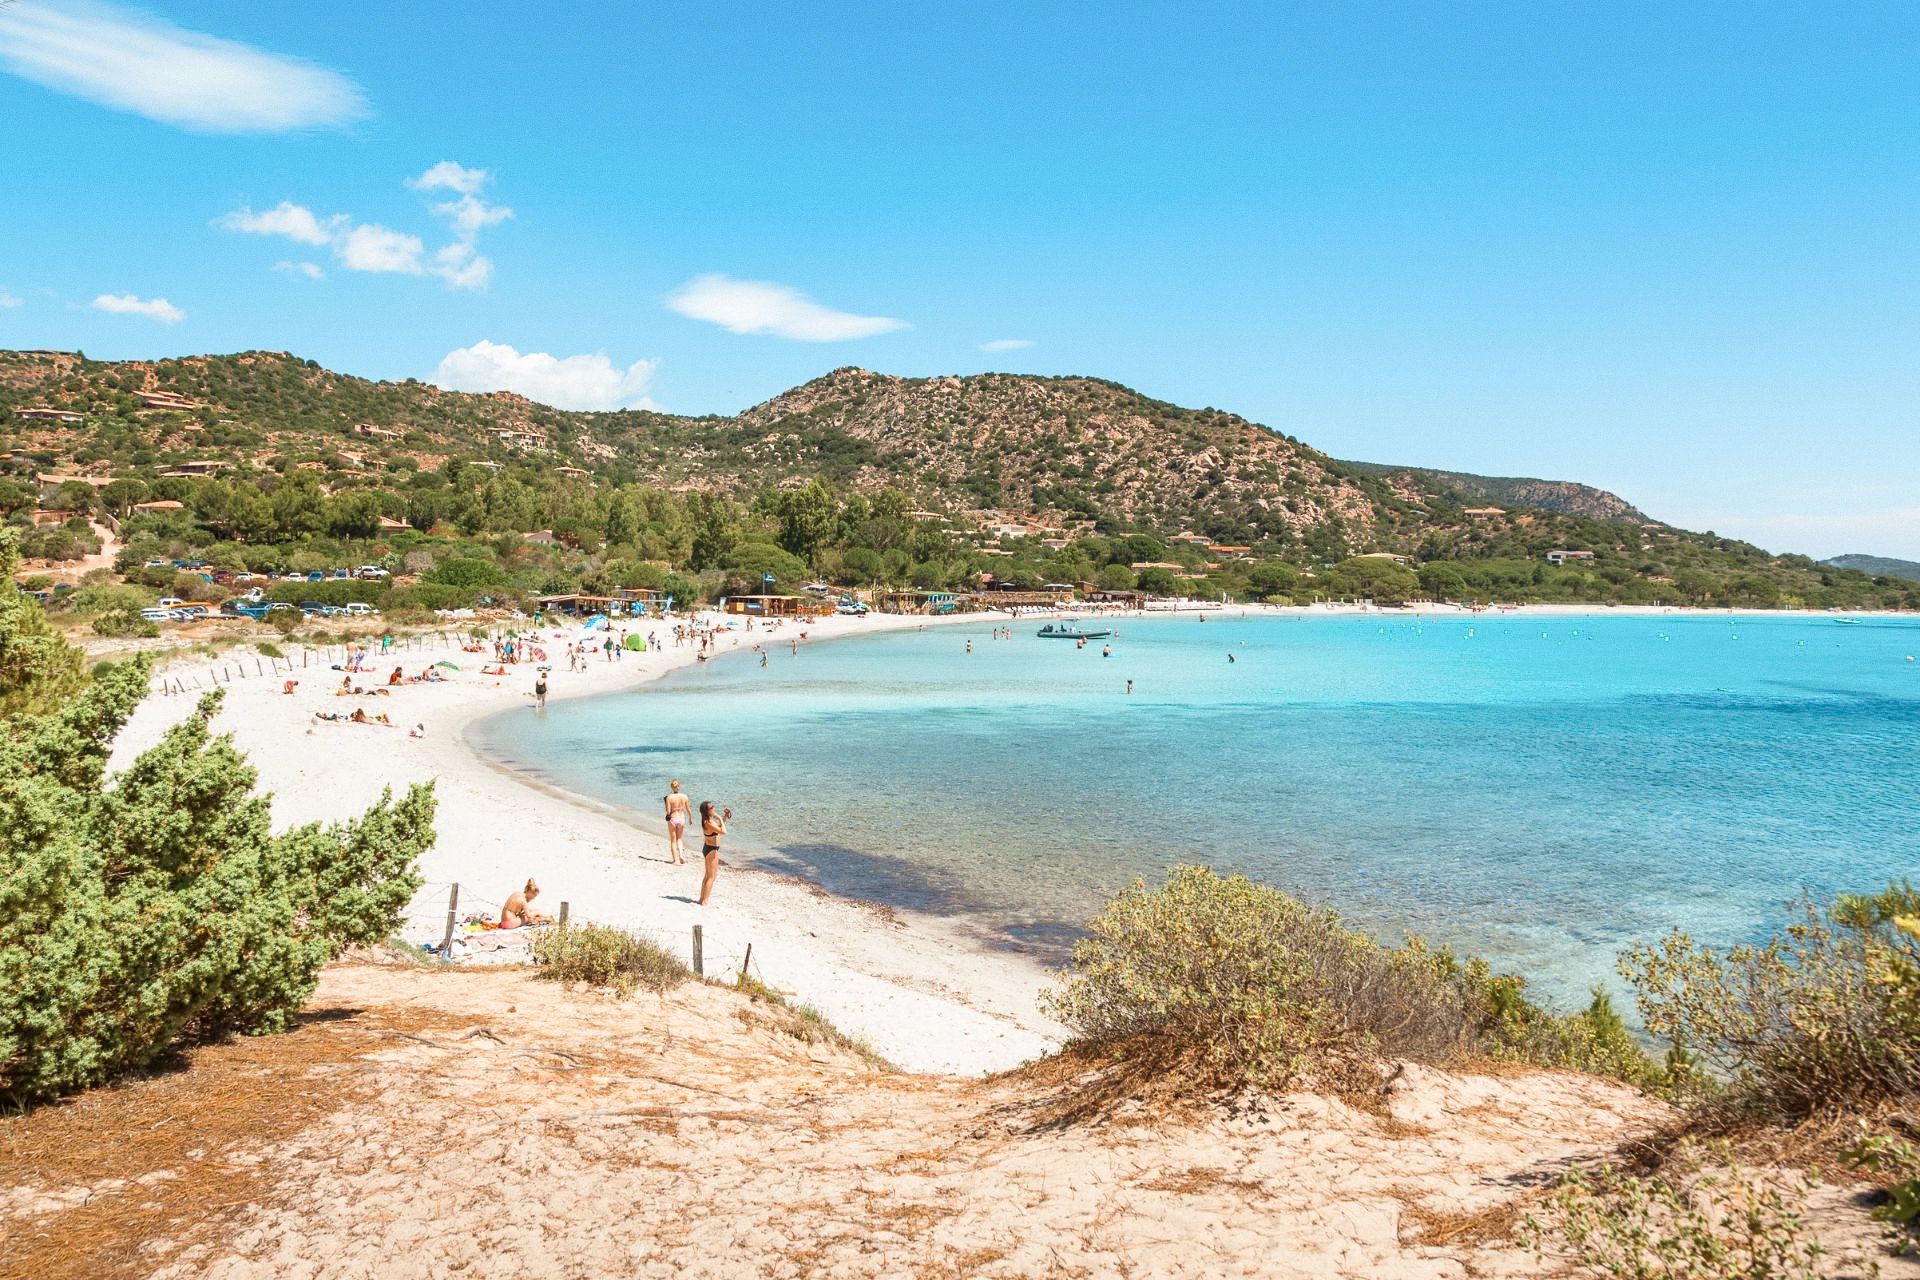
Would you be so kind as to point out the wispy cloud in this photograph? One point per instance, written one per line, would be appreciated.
(295, 222)
(310, 270)
(565, 382)
(450, 175)
(761, 306)
(135, 62)
(368, 246)
(125, 304)
(7, 300)
(1007, 344)
(372, 247)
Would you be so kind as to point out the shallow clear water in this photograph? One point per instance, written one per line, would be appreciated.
(1542, 791)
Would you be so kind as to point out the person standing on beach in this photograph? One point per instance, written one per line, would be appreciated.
(540, 690)
(712, 827)
(679, 810)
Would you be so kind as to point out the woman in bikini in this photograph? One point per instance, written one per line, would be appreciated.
(519, 910)
(679, 810)
(712, 826)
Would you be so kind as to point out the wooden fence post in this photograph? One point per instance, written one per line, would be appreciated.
(747, 960)
(699, 954)
(453, 906)
(563, 915)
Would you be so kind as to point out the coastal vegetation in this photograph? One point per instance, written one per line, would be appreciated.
(604, 956)
(158, 906)
(861, 480)
(1230, 983)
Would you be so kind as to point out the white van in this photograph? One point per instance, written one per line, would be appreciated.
(358, 610)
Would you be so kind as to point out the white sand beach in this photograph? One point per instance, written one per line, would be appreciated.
(924, 995)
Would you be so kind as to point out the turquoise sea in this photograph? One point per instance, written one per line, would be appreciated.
(1539, 790)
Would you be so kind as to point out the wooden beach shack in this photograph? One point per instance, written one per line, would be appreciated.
(777, 606)
(928, 602)
(636, 603)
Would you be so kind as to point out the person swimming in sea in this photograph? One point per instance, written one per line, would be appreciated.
(1106, 651)
(679, 811)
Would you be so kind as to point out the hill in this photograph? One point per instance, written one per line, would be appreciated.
(859, 477)
(1877, 566)
(1563, 496)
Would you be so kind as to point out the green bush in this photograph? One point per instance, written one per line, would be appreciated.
(331, 591)
(38, 669)
(1253, 987)
(1724, 1225)
(603, 956)
(122, 621)
(1249, 985)
(162, 905)
(1825, 1015)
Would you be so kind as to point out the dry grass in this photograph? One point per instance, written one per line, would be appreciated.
(170, 1179)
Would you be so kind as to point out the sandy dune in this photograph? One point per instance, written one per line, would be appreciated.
(483, 1123)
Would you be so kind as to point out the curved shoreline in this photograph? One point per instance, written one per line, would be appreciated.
(927, 996)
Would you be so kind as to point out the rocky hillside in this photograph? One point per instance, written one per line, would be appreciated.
(1562, 496)
(1878, 566)
(1073, 448)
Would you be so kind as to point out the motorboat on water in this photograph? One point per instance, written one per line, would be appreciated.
(1069, 631)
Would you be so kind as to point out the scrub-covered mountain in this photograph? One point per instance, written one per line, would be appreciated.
(1563, 496)
(856, 476)
(1878, 566)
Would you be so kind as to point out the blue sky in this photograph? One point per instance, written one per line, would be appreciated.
(1669, 250)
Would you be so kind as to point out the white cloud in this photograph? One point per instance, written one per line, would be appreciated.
(7, 300)
(461, 267)
(565, 382)
(295, 222)
(1007, 344)
(469, 214)
(449, 176)
(311, 270)
(136, 62)
(761, 306)
(125, 304)
(367, 246)
(372, 247)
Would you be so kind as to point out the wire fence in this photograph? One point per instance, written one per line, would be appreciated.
(440, 910)
(186, 676)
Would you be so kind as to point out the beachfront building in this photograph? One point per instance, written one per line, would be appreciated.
(625, 603)
(1484, 513)
(166, 400)
(927, 602)
(1561, 557)
(777, 606)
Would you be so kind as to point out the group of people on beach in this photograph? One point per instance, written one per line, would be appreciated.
(713, 825)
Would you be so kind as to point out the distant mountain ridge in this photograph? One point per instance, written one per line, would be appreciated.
(1878, 566)
(1564, 496)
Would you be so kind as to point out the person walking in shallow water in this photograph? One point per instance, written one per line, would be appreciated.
(712, 826)
(679, 812)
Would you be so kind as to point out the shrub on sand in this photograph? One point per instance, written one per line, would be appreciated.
(603, 956)
(1726, 1224)
(1824, 1016)
(1243, 985)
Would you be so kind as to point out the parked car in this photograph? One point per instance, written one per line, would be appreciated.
(256, 593)
(852, 608)
(358, 610)
(168, 602)
(156, 615)
(317, 575)
(371, 571)
(278, 605)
